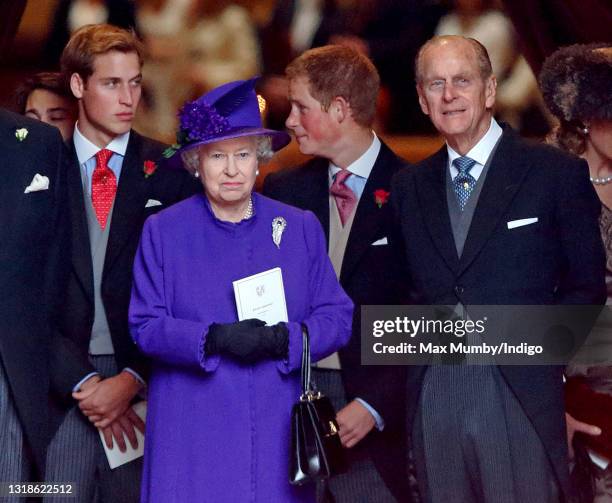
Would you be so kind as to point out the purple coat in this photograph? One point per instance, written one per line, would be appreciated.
(219, 430)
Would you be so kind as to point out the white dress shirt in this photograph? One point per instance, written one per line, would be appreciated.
(361, 168)
(479, 152)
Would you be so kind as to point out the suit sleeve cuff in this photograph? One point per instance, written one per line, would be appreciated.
(380, 423)
(142, 392)
(80, 383)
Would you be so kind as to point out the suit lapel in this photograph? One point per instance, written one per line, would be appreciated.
(14, 183)
(506, 174)
(369, 218)
(431, 192)
(317, 197)
(81, 251)
(129, 201)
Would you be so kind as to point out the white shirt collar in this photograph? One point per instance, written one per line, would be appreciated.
(363, 165)
(85, 149)
(482, 150)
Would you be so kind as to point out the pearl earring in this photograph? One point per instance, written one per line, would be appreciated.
(256, 172)
(585, 131)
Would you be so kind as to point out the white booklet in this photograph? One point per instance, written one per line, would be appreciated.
(115, 456)
(261, 296)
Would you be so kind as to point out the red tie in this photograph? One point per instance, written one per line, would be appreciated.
(344, 196)
(103, 187)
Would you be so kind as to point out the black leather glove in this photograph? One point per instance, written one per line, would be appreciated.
(248, 340)
(276, 340)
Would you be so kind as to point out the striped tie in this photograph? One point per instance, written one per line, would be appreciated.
(346, 200)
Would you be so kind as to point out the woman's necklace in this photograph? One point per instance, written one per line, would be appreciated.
(599, 164)
(249, 211)
(604, 180)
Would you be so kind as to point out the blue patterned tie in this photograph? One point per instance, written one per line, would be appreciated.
(464, 183)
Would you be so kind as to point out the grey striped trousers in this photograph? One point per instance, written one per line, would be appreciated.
(13, 463)
(76, 455)
(473, 442)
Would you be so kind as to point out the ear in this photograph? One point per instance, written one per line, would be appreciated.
(490, 91)
(339, 109)
(77, 85)
(422, 100)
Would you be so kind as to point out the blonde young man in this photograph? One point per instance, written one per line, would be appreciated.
(115, 182)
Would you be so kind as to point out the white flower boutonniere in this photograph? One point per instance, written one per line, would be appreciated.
(21, 134)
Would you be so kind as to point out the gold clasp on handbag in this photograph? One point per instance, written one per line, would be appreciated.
(310, 396)
(333, 430)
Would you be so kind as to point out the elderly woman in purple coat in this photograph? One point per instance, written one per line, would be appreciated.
(221, 390)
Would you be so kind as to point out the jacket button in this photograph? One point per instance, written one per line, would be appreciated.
(459, 290)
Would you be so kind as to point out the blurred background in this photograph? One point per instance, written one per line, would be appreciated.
(195, 45)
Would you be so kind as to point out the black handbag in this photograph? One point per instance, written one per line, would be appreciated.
(316, 451)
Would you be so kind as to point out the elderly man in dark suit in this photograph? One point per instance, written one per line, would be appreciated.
(114, 183)
(34, 252)
(332, 91)
(491, 219)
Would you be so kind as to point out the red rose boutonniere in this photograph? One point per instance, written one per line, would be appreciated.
(149, 168)
(381, 197)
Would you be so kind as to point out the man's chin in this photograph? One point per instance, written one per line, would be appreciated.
(121, 128)
(451, 130)
(306, 149)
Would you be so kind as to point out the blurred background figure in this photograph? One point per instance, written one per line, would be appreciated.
(294, 26)
(70, 15)
(518, 99)
(193, 46)
(575, 82)
(546, 25)
(390, 33)
(161, 23)
(46, 97)
(220, 45)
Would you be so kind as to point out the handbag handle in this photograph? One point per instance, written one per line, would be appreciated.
(308, 391)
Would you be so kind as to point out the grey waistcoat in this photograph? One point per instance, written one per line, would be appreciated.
(461, 220)
(100, 342)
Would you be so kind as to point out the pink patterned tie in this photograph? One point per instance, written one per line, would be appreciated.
(103, 187)
(344, 196)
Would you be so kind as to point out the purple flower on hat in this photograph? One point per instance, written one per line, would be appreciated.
(200, 121)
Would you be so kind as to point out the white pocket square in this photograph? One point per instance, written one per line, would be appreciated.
(39, 182)
(152, 202)
(381, 241)
(520, 223)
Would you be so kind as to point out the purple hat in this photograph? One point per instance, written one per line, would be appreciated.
(228, 111)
